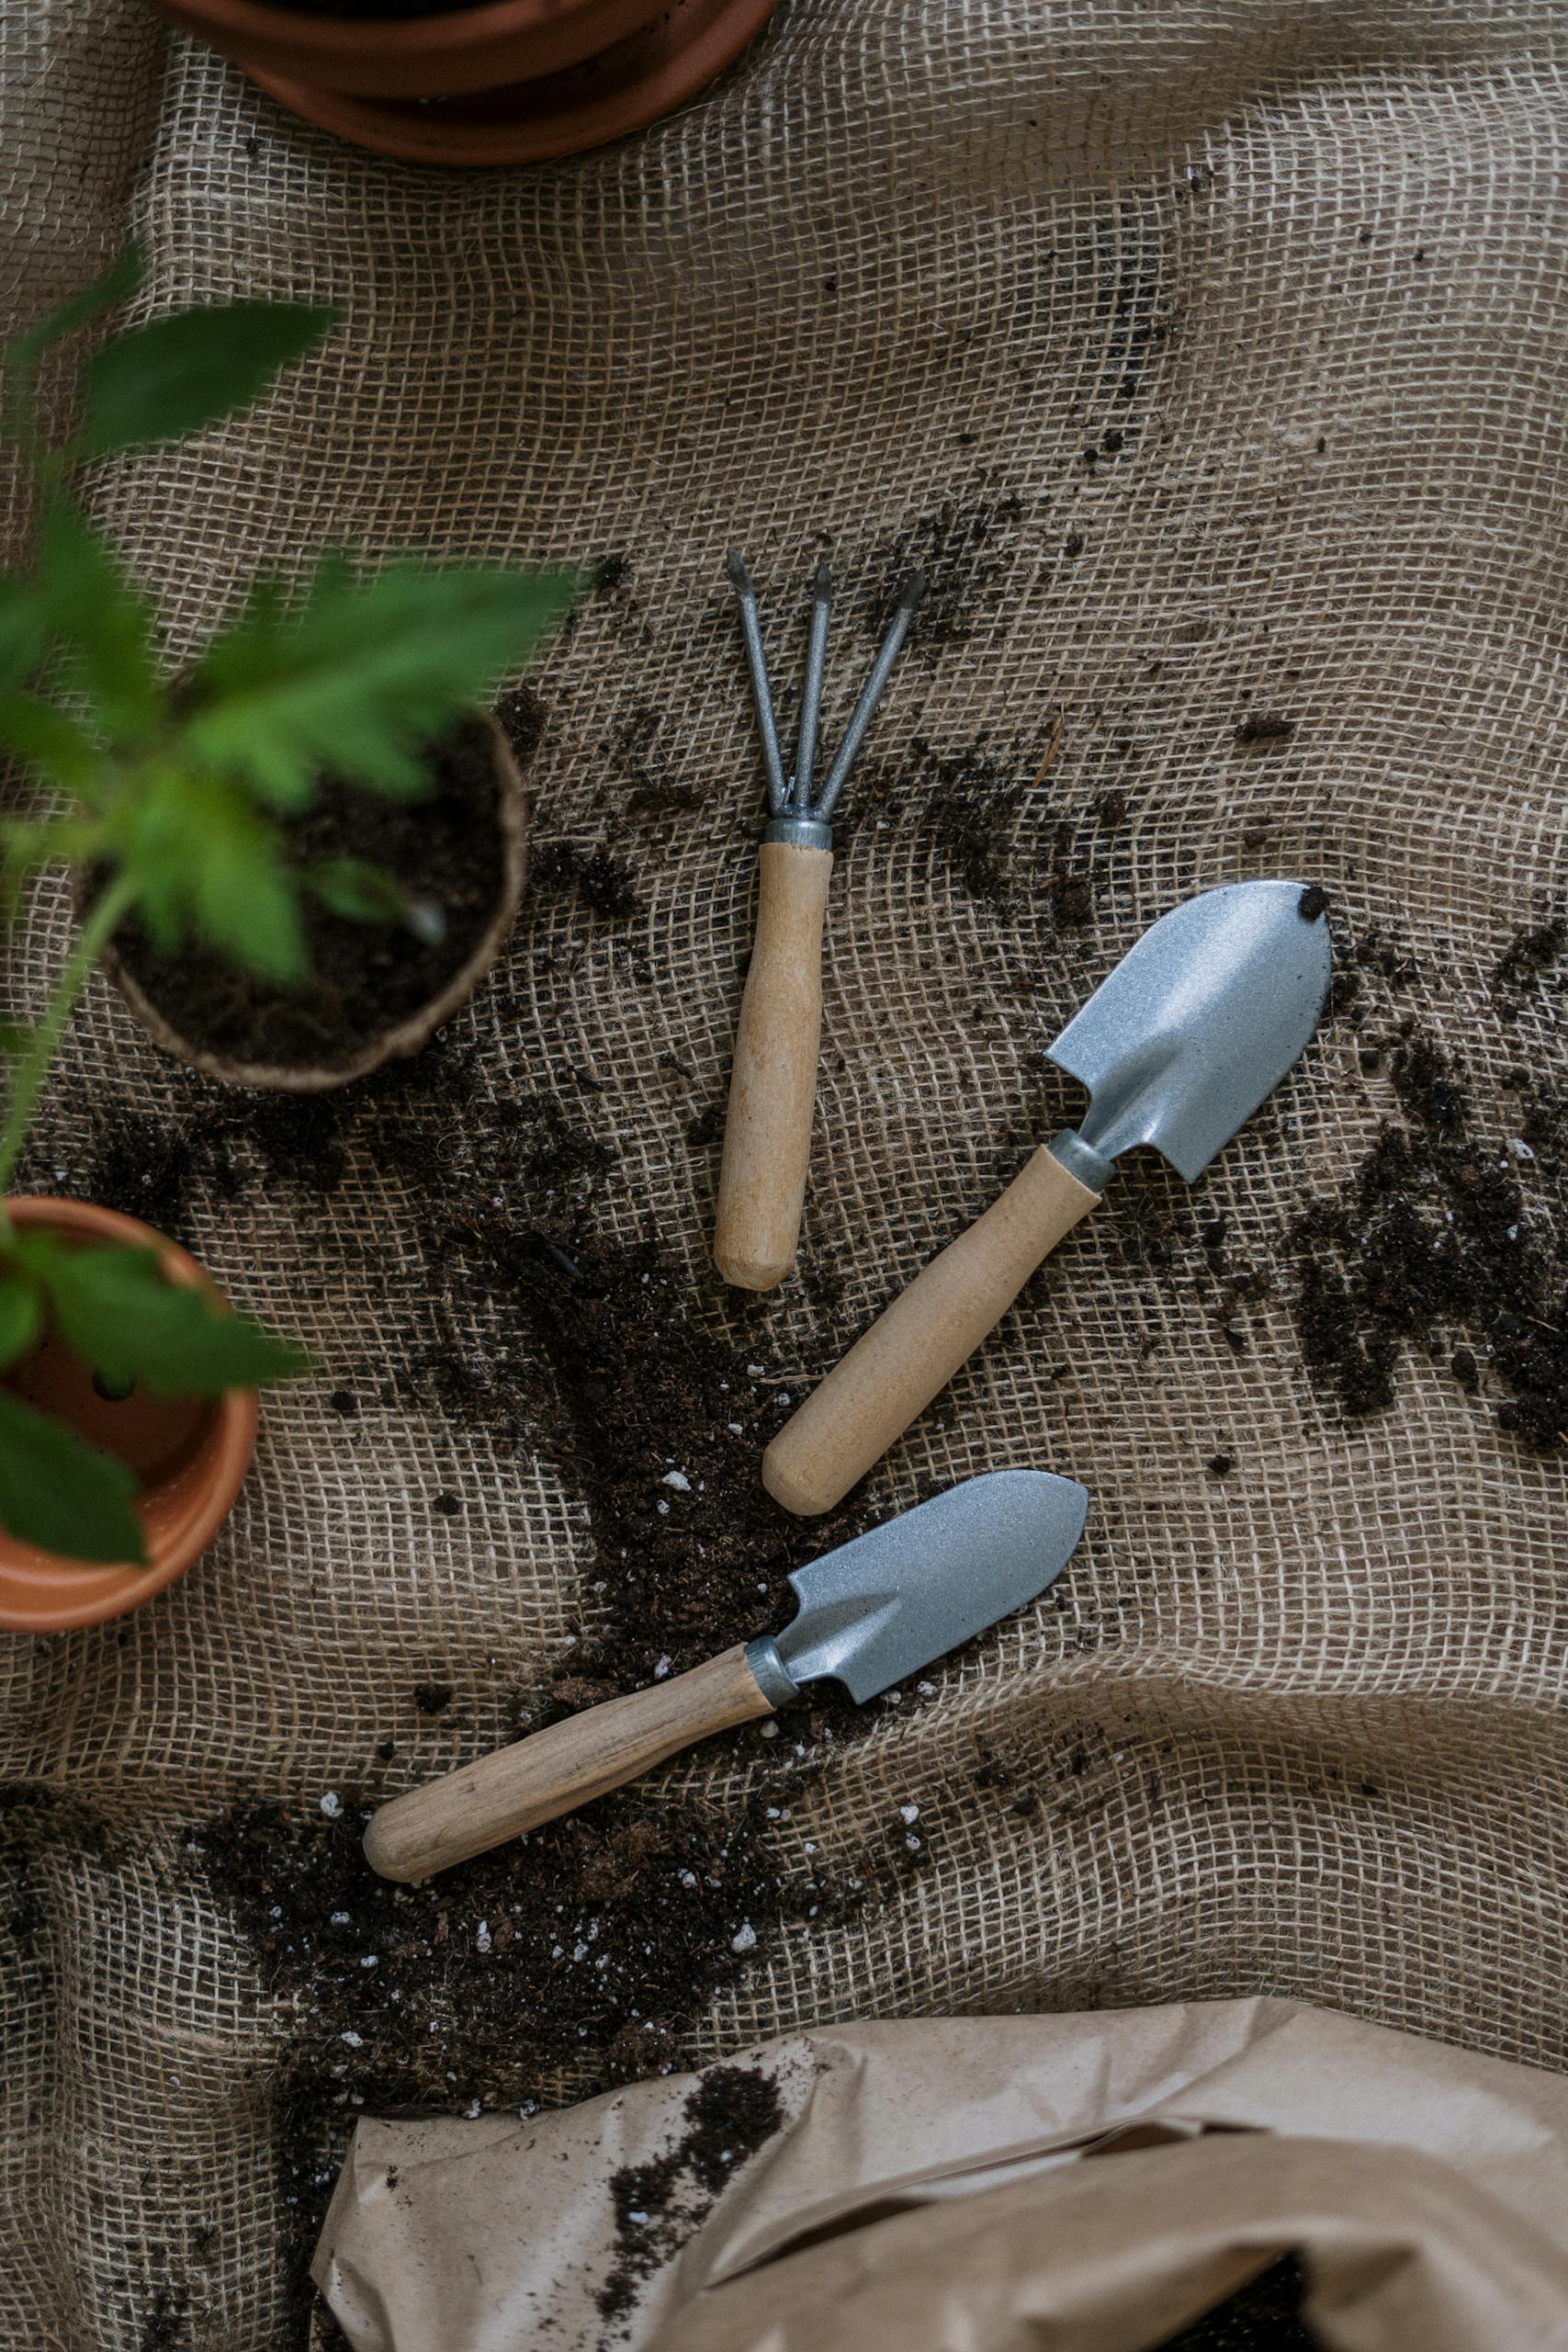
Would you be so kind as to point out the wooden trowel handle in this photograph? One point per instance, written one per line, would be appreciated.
(555, 1770)
(917, 1344)
(773, 1088)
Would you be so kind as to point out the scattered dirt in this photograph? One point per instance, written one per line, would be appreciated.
(729, 2113)
(598, 880)
(446, 850)
(550, 1968)
(1264, 732)
(528, 1323)
(523, 719)
(966, 546)
(1525, 964)
(659, 1428)
(1444, 1230)
(992, 825)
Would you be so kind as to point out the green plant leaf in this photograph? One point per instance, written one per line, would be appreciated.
(106, 628)
(21, 1314)
(356, 681)
(186, 371)
(58, 1491)
(202, 860)
(24, 630)
(49, 742)
(117, 284)
(119, 1311)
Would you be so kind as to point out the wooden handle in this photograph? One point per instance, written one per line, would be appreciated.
(773, 1087)
(917, 1344)
(555, 1771)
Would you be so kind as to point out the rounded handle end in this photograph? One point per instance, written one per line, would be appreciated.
(783, 1482)
(752, 1273)
(381, 1853)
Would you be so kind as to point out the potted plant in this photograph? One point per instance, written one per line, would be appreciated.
(185, 806)
(508, 81)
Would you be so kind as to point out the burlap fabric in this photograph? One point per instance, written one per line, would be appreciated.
(1295, 276)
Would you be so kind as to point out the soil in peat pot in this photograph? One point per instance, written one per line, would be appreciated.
(449, 852)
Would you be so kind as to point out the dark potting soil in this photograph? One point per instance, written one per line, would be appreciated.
(556, 1965)
(1263, 2316)
(366, 977)
(966, 548)
(728, 2114)
(576, 1959)
(1448, 1239)
(990, 824)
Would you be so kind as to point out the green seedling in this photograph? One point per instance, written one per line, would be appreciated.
(171, 793)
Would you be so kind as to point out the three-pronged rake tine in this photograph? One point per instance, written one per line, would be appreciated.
(811, 694)
(762, 692)
(911, 588)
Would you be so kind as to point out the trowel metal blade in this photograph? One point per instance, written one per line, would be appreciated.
(887, 1603)
(1199, 1022)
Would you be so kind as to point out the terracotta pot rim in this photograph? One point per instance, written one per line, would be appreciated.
(406, 1036)
(337, 39)
(29, 1594)
(507, 125)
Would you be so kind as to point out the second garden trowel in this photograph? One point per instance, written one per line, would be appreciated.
(1178, 1047)
(875, 1610)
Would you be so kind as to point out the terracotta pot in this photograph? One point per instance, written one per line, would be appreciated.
(516, 81)
(190, 1452)
(405, 1037)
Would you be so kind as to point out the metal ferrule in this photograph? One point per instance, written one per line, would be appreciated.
(773, 1678)
(1081, 1159)
(800, 832)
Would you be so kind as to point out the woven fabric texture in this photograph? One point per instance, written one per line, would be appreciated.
(1212, 356)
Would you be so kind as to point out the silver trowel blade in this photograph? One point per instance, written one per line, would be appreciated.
(887, 1604)
(1199, 1022)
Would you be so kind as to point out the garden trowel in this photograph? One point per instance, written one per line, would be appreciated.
(1178, 1047)
(875, 1610)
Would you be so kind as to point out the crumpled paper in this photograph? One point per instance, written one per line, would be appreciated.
(1082, 2183)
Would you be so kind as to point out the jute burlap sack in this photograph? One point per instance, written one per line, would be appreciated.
(1296, 277)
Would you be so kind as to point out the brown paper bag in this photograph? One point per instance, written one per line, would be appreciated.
(1085, 2183)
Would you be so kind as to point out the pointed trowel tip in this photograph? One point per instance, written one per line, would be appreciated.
(911, 588)
(822, 582)
(735, 565)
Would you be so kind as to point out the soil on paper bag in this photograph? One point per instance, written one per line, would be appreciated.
(728, 2114)
(449, 852)
(1263, 2316)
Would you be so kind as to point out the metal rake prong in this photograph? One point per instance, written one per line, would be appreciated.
(911, 588)
(811, 694)
(762, 692)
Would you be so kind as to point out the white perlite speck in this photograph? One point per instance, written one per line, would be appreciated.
(482, 1937)
(744, 1939)
(910, 1812)
(679, 1480)
(331, 1805)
